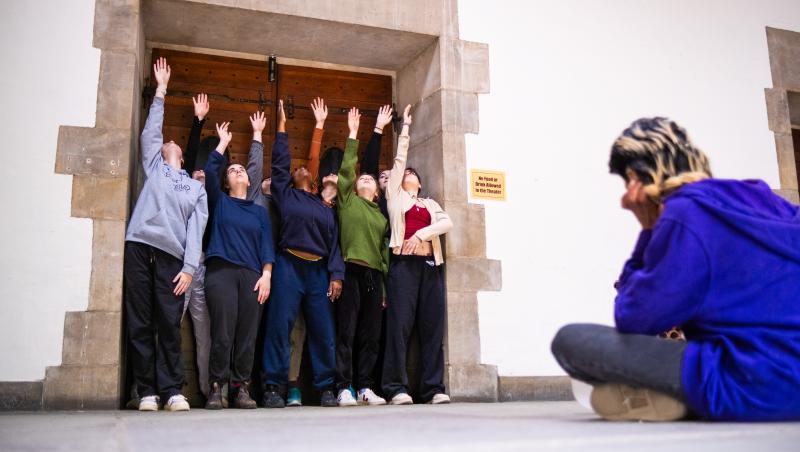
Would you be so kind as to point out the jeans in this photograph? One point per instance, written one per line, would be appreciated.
(299, 284)
(599, 354)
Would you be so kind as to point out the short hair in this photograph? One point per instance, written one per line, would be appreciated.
(661, 154)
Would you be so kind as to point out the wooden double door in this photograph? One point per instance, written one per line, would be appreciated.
(239, 87)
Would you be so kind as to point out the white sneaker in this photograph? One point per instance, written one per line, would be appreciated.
(346, 398)
(440, 398)
(177, 403)
(148, 403)
(402, 399)
(367, 397)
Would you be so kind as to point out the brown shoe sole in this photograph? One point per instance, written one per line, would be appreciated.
(617, 402)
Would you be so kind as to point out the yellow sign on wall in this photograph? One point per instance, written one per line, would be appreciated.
(488, 184)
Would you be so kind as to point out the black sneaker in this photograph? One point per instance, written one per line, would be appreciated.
(272, 398)
(328, 399)
(243, 399)
(214, 401)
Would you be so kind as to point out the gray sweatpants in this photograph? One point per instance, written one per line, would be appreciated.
(195, 302)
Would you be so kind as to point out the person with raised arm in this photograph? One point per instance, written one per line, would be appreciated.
(416, 286)
(163, 246)
(308, 275)
(372, 154)
(239, 268)
(358, 312)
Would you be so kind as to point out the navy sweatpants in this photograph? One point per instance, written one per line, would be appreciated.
(299, 284)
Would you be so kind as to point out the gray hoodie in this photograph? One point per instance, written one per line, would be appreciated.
(172, 209)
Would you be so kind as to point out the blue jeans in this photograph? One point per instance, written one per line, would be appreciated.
(598, 354)
(299, 283)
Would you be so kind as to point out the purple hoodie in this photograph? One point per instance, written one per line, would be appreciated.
(723, 263)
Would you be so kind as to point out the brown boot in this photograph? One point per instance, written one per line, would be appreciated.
(214, 401)
(243, 399)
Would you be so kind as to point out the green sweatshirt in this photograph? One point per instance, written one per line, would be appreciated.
(362, 226)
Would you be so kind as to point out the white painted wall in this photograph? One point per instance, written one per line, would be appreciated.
(567, 76)
(49, 77)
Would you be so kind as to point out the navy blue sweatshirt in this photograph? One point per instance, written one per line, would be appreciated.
(723, 263)
(241, 232)
(307, 224)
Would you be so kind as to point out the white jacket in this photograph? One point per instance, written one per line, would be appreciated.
(399, 202)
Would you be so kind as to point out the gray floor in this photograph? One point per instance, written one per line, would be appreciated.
(458, 427)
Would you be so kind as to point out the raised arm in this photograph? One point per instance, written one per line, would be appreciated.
(371, 159)
(201, 108)
(255, 161)
(347, 172)
(320, 114)
(214, 165)
(399, 167)
(281, 160)
(152, 136)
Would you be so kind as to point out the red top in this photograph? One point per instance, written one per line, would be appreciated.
(416, 218)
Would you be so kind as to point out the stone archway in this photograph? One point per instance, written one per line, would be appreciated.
(440, 75)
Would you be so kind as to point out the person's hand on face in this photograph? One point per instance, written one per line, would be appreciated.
(636, 200)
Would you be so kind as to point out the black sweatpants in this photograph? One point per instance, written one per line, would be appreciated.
(598, 354)
(416, 297)
(153, 317)
(234, 311)
(358, 325)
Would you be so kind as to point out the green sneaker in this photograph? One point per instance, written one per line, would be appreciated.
(294, 397)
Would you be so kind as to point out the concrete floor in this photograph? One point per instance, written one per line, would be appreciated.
(458, 427)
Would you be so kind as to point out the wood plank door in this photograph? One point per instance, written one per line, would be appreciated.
(236, 89)
(298, 85)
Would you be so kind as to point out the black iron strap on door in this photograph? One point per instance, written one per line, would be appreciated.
(262, 101)
(290, 107)
(149, 92)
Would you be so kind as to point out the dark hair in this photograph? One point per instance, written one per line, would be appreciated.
(329, 163)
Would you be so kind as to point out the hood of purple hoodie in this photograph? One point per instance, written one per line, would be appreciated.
(750, 209)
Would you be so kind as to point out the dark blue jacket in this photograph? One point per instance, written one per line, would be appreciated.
(241, 232)
(723, 263)
(307, 224)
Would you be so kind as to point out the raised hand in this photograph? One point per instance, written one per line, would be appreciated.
(320, 111)
(353, 120)
(281, 117)
(225, 136)
(162, 72)
(407, 115)
(384, 117)
(201, 106)
(259, 121)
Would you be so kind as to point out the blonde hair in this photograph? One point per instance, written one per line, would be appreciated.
(661, 154)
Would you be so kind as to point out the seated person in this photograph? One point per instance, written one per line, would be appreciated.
(720, 260)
